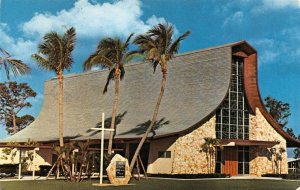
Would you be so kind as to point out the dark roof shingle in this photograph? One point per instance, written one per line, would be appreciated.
(196, 85)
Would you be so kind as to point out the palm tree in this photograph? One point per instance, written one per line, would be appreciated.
(54, 54)
(111, 53)
(158, 47)
(209, 147)
(279, 157)
(11, 64)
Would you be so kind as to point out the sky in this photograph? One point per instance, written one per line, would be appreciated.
(272, 27)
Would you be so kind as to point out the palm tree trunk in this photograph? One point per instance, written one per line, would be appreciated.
(60, 109)
(210, 161)
(114, 112)
(14, 123)
(155, 113)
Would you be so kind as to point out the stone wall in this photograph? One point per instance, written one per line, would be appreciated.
(188, 155)
(262, 160)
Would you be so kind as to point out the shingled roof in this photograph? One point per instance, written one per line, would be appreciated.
(197, 83)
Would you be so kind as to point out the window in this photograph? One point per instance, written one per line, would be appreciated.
(232, 119)
(219, 161)
(243, 160)
(164, 154)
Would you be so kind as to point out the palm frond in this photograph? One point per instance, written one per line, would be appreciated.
(154, 63)
(43, 63)
(176, 44)
(129, 56)
(69, 40)
(54, 53)
(16, 66)
(6, 67)
(128, 39)
(122, 71)
(110, 77)
(97, 60)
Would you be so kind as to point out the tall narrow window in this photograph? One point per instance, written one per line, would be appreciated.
(243, 160)
(233, 116)
(218, 161)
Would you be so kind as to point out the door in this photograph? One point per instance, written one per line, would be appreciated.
(230, 161)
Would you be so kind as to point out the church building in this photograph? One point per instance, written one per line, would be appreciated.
(210, 93)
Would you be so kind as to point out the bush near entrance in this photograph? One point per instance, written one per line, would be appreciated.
(283, 176)
(190, 176)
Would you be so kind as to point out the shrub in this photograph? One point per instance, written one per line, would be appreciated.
(274, 175)
(190, 176)
(44, 170)
(283, 176)
(291, 176)
(8, 168)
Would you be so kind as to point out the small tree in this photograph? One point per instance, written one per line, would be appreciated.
(21, 123)
(64, 163)
(279, 110)
(278, 157)
(297, 150)
(290, 131)
(13, 98)
(209, 147)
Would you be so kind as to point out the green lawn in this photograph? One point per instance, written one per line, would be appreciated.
(160, 184)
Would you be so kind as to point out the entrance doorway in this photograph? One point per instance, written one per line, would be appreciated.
(230, 161)
(235, 160)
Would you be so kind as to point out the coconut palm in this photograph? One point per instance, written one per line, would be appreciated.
(111, 53)
(158, 47)
(209, 147)
(55, 54)
(11, 64)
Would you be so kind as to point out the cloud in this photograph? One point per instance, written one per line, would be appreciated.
(267, 43)
(279, 4)
(268, 49)
(273, 5)
(93, 20)
(236, 18)
(291, 33)
(18, 48)
(268, 56)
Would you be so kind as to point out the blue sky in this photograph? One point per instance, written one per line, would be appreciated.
(271, 26)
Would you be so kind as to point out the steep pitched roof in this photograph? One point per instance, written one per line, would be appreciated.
(196, 85)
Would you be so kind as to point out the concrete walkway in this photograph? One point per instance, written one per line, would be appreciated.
(24, 178)
(227, 178)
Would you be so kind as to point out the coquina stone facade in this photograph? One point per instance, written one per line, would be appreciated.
(263, 159)
(189, 158)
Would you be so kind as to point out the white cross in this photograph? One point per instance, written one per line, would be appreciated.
(102, 129)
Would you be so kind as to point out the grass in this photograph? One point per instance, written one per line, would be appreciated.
(161, 184)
